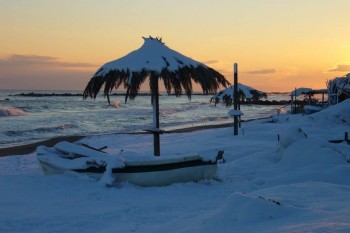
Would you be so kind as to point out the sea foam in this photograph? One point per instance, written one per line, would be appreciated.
(11, 111)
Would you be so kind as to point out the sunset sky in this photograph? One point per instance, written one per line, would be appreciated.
(279, 45)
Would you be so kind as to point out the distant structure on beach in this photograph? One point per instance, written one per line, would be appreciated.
(309, 104)
(245, 94)
(338, 89)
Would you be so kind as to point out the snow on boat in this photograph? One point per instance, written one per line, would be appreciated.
(139, 170)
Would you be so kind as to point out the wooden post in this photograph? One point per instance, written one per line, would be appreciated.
(291, 102)
(109, 101)
(235, 94)
(155, 102)
(295, 101)
(322, 99)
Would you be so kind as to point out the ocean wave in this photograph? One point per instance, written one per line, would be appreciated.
(116, 103)
(215, 119)
(170, 111)
(11, 111)
(13, 133)
(193, 107)
(55, 128)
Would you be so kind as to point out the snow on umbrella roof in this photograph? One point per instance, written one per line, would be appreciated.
(300, 91)
(154, 59)
(247, 91)
(161, 57)
(304, 90)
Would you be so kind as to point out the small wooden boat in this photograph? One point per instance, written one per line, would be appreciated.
(150, 171)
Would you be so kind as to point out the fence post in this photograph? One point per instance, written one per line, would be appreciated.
(235, 94)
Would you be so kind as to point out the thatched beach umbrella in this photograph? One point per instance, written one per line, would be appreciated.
(154, 61)
(245, 93)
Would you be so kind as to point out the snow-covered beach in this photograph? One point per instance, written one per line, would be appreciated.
(297, 184)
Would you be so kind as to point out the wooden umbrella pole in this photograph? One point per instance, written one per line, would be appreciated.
(155, 102)
(235, 94)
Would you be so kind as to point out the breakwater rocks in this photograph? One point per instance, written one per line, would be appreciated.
(32, 94)
(256, 102)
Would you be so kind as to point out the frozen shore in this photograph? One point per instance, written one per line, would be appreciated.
(282, 175)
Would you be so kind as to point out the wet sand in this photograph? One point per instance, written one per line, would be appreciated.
(29, 148)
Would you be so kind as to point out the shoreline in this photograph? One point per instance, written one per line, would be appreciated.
(31, 147)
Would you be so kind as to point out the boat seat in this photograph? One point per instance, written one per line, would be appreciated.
(74, 150)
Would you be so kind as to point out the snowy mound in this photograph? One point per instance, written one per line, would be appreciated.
(339, 113)
(240, 208)
(11, 111)
(310, 155)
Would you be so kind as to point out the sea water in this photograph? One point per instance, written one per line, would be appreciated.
(27, 119)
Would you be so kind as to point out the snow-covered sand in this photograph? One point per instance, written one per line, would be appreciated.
(299, 184)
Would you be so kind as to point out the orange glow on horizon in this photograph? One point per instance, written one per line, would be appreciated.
(278, 45)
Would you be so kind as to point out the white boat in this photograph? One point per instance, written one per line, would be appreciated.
(150, 171)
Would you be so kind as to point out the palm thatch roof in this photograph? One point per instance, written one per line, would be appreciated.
(307, 91)
(300, 91)
(154, 61)
(245, 93)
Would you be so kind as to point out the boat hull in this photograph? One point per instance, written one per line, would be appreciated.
(159, 172)
(167, 177)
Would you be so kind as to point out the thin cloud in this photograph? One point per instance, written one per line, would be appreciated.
(20, 60)
(340, 68)
(211, 62)
(62, 79)
(263, 71)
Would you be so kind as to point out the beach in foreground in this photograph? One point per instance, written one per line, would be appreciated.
(297, 184)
